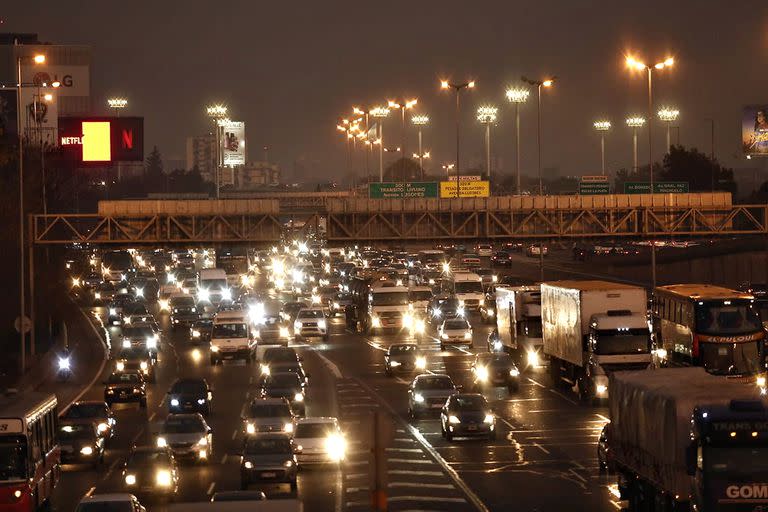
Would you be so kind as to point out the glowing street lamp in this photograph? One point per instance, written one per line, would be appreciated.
(117, 103)
(668, 115)
(380, 113)
(457, 87)
(420, 121)
(517, 95)
(602, 127)
(487, 115)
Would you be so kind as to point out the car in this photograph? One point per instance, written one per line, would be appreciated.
(495, 369)
(268, 415)
(286, 385)
(319, 440)
(535, 250)
(456, 330)
(141, 335)
(80, 443)
(116, 306)
(136, 359)
(488, 277)
(484, 250)
(136, 312)
(501, 259)
(274, 331)
(188, 436)
(605, 456)
(403, 357)
(116, 502)
(277, 359)
(444, 307)
(291, 309)
(428, 393)
(467, 415)
(95, 412)
(470, 261)
(151, 470)
(200, 331)
(310, 322)
(190, 394)
(184, 310)
(104, 292)
(126, 387)
(238, 496)
(268, 458)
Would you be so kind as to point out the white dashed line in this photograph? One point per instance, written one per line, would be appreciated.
(404, 450)
(426, 498)
(537, 445)
(211, 488)
(421, 485)
(411, 461)
(420, 473)
(537, 383)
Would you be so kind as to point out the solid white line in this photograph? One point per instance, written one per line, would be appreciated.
(603, 418)
(537, 383)
(331, 366)
(419, 473)
(537, 445)
(563, 397)
(411, 461)
(90, 491)
(403, 440)
(426, 498)
(352, 476)
(352, 490)
(211, 488)
(404, 450)
(234, 435)
(151, 416)
(508, 424)
(577, 476)
(421, 486)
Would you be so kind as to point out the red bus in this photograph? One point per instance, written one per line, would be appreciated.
(29, 452)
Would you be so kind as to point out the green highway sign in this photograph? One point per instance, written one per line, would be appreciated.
(593, 188)
(403, 190)
(661, 187)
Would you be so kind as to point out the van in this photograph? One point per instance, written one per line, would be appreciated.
(232, 337)
(212, 286)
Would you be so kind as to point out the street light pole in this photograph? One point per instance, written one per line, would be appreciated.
(420, 121)
(602, 127)
(444, 84)
(380, 113)
(487, 115)
(668, 115)
(517, 96)
(635, 122)
(118, 104)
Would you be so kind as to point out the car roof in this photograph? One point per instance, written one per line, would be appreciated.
(108, 497)
(317, 420)
(269, 401)
(432, 375)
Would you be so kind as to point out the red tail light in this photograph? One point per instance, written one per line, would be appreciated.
(695, 347)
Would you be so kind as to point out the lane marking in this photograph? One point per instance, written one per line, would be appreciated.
(403, 450)
(234, 434)
(352, 490)
(426, 498)
(104, 359)
(331, 366)
(537, 445)
(352, 476)
(410, 461)
(577, 476)
(151, 416)
(211, 488)
(603, 418)
(563, 397)
(90, 491)
(418, 473)
(421, 485)
(537, 383)
(507, 423)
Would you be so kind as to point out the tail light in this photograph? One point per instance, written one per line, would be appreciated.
(695, 347)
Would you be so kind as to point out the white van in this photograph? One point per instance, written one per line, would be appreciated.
(468, 288)
(232, 338)
(212, 286)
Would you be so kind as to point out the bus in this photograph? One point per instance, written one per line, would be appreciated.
(710, 326)
(29, 451)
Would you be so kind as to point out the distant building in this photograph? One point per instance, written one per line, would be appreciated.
(201, 154)
(254, 175)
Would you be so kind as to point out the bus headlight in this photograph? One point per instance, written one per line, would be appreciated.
(533, 358)
(601, 389)
(481, 372)
(421, 362)
(130, 479)
(163, 478)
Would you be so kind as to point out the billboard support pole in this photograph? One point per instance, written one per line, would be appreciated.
(22, 305)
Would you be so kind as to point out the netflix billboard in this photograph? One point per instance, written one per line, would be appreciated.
(100, 140)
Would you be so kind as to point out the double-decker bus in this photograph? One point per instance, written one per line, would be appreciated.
(710, 326)
(29, 452)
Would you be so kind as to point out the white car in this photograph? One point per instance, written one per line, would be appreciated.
(484, 250)
(319, 440)
(188, 436)
(310, 322)
(454, 331)
(123, 502)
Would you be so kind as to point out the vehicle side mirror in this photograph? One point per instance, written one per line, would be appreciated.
(691, 454)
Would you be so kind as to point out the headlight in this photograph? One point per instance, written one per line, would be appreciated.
(130, 479)
(174, 402)
(136, 390)
(250, 428)
(490, 312)
(112, 311)
(335, 447)
(394, 364)
(533, 358)
(163, 478)
(421, 362)
(264, 369)
(321, 324)
(203, 441)
(444, 336)
(494, 278)
(481, 302)
(284, 333)
(297, 325)
(315, 299)
(163, 303)
(75, 281)
(152, 342)
(63, 363)
(299, 397)
(407, 320)
(497, 346)
(226, 294)
(489, 419)
(453, 419)
(214, 348)
(97, 295)
(102, 427)
(126, 343)
(375, 322)
(460, 311)
(288, 427)
(200, 401)
(203, 295)
(481, 372)
(761, 382)
(336, 305)
(248, 465)
(431, 281)
(437, 313)
(467, 335)
(143, 365)
(162, 442)
(86, 450)
(127, 320)
(288, 463)
(195, 333)
(139, 292)
(514, 372)
(661, 353)
(418, 397)
(601, 389)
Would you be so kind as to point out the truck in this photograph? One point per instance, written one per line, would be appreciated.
(468, 288)
(518, 322)
(591, 329)
(388, 307)
(683, 439)
(212, 286)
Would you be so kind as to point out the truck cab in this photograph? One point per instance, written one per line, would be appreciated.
(468, 288)
(388, 307)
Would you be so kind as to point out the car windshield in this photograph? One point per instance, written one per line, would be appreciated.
(311, 313)
(133, 353)
(382, 298)
(456, 324)
(727, 318)
(283, 380)
(79, 411)
(468, 403)
(402, 349)
(124, 378)
(106, 506)
(279, 356)
(13, 459)
(267, 446)
(314, 430)
(435, 383)
(737, 460)
(149, 458)
(420, 295)
(258, 410)
(183, 425)
(189, 387)
(632, 341)
(731, 358)
(468, 287)
(230, 330)
(214, 284)
(72, 432)
(137, 332)
(182, 301)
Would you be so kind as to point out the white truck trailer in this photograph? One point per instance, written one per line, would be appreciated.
(518, 322)
(591, 329)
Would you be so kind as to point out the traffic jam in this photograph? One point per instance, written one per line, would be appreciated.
(677, 374)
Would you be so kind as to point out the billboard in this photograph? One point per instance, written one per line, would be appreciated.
(233, 143)
(40, 117)
(75, 80)
(402, 190)
(465, 189)
(754, 130)
(101, 140)
(8, 130)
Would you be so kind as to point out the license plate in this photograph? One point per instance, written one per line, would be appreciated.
(269, 474)
(471, 427)
(437, 406)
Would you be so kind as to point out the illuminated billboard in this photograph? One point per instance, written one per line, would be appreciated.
(754, 130)
(101, 140)
(233, 143)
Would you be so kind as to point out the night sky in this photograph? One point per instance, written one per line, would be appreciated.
(290, 69)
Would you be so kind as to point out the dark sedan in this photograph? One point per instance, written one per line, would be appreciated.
(126, 387)
(80, 443)
(190, 395)
(467, 415)
(151, 470)
(286, 385)
(268, 458)
(501, 259)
